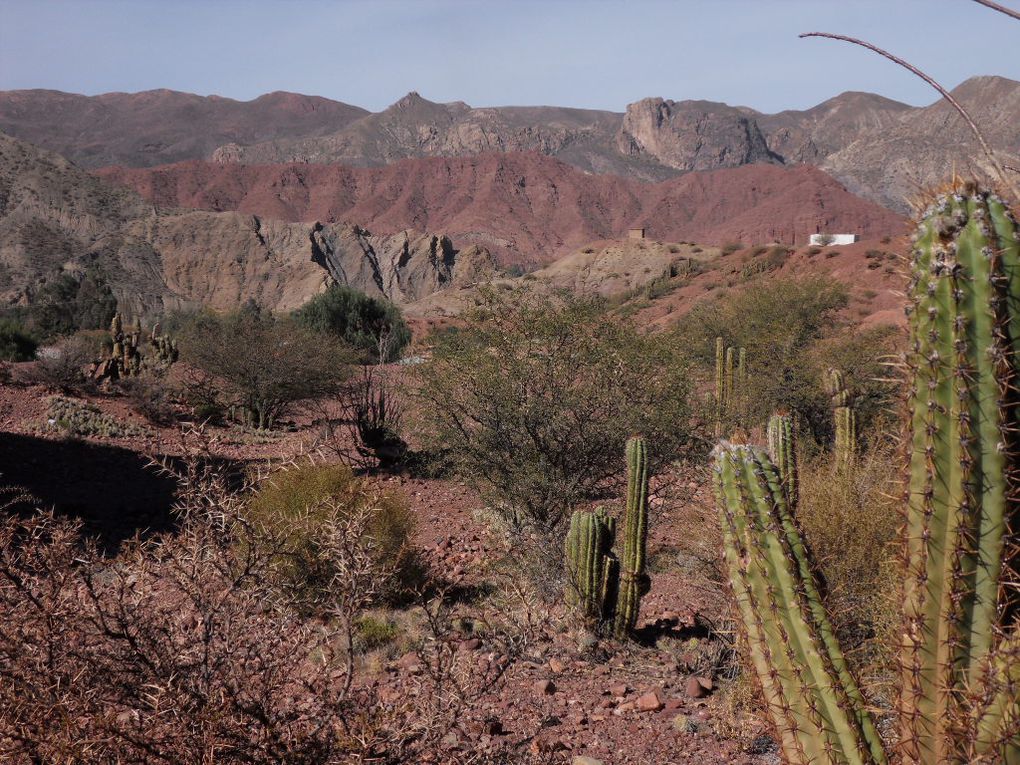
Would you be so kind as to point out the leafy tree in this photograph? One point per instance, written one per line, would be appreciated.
(374, 327)
(15, 343)
(266, 364)
(534, 398)
(66, 304)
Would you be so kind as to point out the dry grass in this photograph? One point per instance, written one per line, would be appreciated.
(851, 520)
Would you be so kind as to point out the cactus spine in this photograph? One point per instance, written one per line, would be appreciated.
(812, 698)
(844, 419)
(962, 503)
(591, 566)
(633, 580)
(782, 443)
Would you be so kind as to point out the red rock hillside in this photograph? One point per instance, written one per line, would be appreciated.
(526, 207)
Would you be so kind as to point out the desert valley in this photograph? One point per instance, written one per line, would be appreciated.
(684, 433)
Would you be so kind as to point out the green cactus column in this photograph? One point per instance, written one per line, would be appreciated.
(844, 419)
(782, 443)
(964, 313)
(812, 698)
(633, 580)
(591, 568)
(720, 386)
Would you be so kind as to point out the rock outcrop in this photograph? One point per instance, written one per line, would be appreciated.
(55, 217)
(692, 135)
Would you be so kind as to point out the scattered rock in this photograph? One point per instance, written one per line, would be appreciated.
(557, 666)
(579, 760)
(618, 690)
(545, 687)
(649, 702)
(696, 689)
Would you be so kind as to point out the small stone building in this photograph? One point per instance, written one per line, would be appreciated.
(636, 233)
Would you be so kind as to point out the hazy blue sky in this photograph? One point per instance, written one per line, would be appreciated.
(589, 53)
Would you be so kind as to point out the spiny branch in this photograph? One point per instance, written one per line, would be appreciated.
(931, 81)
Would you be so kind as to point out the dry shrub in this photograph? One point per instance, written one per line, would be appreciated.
(150, 396)
(851, 520)
(293, 507)
(178, 650)
(65, 366)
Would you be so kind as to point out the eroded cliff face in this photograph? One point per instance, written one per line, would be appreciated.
(692, 135)
(401, 267)
(54, 218)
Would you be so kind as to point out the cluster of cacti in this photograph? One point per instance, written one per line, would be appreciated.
(125, 360)
(165, 347)
(591, 566)
(844, 419)
(811, 696)
(960, 643)
(730, 385)
(782, 443)
(608, 588)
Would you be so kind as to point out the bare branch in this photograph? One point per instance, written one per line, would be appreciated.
(999, 8)
(931, 81)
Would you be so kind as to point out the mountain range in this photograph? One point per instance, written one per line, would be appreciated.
(878, 148)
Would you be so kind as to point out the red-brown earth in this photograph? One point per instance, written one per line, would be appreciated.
(525, 207)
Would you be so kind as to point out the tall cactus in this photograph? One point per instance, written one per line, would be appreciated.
(812, 699)
(591, 567)
(844, 419)
(782, 443)
(720, 386)
(964, 313)
(633, 580)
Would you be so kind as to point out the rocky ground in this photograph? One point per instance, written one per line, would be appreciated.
(667, 697)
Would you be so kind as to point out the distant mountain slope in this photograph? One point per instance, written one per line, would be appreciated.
(57, 218)
(159, 126)
(525, 206)
(881, 149)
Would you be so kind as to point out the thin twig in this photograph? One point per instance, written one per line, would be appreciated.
(999, 8)
(942, 91)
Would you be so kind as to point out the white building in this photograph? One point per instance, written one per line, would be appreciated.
(824, 240)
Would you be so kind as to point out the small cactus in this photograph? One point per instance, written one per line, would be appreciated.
(782, 443)
(591, 567)
(633, 580)
(844, 419)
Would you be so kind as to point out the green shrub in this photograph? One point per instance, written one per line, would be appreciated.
(65, 304)
(372, 632)
(373, 326)
(535, 397)
(260, 364)
(15, 343)
(295, 505)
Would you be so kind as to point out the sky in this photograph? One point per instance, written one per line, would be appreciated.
(600, 54)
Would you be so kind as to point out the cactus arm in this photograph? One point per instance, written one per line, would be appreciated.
(635, 535)
(813, 700)
(782, 442)
(964, 323)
